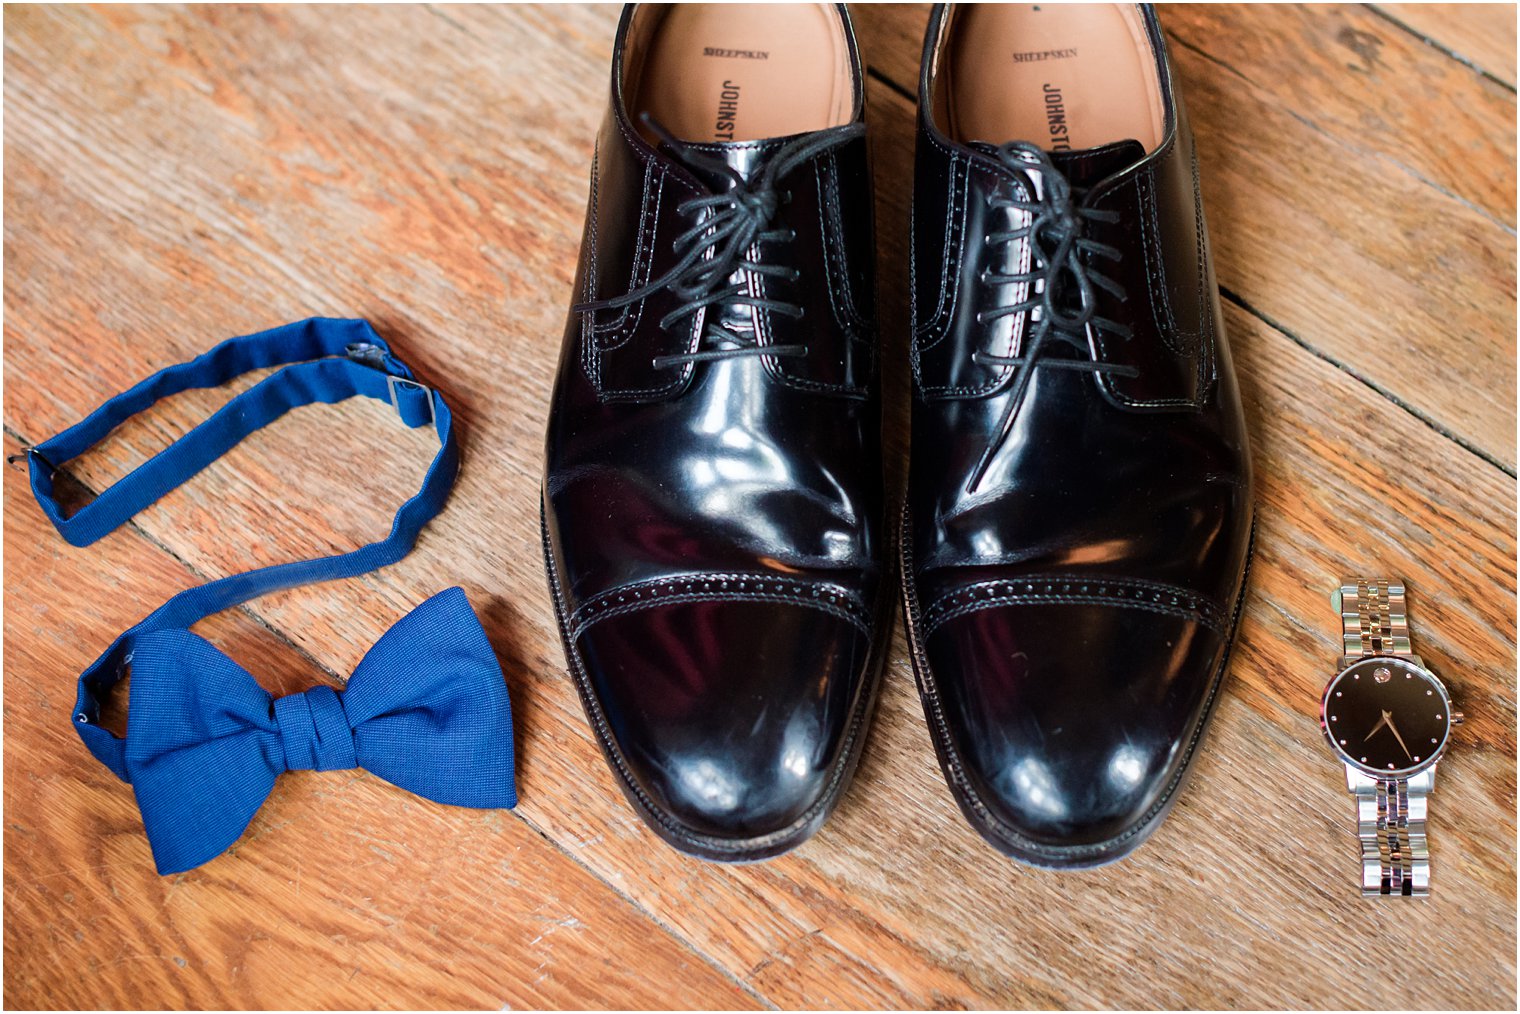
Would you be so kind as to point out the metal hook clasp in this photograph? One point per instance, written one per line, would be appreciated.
(367, 354)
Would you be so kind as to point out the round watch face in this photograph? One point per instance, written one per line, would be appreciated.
(1386, 716)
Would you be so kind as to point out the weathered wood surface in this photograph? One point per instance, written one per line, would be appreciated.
(176, 176)
(1482, 35)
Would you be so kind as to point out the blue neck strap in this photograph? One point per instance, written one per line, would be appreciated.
(324, 360)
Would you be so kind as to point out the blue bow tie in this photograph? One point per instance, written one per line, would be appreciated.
(426, 709)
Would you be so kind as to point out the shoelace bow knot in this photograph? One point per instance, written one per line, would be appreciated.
(725, 238)
(1060, 254)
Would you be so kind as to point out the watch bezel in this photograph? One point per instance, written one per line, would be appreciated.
(1395, 661)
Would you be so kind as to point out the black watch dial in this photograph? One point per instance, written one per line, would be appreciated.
(1386, 715)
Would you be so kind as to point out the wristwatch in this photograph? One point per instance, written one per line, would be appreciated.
(1388, 719)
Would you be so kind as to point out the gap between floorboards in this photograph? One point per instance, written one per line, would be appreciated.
(1441, 48)
(1371, 384)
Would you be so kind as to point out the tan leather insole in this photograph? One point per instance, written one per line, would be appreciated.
(743, 72)
(1060, 75)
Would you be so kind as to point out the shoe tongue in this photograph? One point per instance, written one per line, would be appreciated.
(747, 158)
(1086, 166)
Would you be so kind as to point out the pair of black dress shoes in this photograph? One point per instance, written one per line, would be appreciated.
(1078, 519)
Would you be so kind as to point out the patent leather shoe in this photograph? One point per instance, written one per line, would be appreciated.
(712, 491)
(1079, 516)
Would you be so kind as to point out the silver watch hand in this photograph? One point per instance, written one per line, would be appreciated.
(1391, 728)
(1376, 727)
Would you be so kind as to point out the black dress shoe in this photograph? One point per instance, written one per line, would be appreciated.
(1080, 506)
(712, 491)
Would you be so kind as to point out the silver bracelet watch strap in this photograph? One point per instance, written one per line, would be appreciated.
(1374, 619)
(1390, 821)
(1390, 811)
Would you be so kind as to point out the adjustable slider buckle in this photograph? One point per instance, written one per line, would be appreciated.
(378, 358)
(392, 382)
(27, 455)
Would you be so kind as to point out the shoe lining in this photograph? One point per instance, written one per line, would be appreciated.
(738, 72)
(1064, 76)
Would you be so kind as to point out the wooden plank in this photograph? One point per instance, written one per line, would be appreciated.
(1354, 77)
(1343, 203)
(1481, 34)
(432, 196)
(345, 892)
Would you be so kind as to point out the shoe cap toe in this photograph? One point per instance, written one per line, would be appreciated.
(729, 716)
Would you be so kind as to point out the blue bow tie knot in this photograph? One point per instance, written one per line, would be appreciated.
(426, 710)
(314, 731)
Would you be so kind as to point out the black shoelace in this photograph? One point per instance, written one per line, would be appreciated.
(729, 228)
(1061, 270)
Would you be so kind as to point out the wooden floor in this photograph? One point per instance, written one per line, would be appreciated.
(177, 176)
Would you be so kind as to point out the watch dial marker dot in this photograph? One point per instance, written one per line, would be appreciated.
(1343, 742)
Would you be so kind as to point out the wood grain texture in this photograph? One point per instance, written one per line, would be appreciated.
(1353, 79)
(177, 176)
(1480, 34)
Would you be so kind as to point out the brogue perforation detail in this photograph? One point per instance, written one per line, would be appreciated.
(928, 333)
(720, 587)
(1075, 589)
(847, 313)
(1196, 344)
(615, 333)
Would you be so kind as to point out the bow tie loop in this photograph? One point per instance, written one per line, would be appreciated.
(315, 731)
(427, 709)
